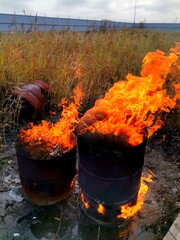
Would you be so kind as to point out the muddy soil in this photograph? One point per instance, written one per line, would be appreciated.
(20, 219)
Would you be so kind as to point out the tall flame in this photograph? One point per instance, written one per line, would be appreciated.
(55, 136)
(137, 103)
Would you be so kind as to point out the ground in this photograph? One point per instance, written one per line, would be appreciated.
(20, 219)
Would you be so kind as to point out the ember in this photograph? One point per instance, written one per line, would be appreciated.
(101, 209)
(86, 204)
(48, 140)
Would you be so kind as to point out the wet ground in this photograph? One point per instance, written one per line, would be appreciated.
(22, 220)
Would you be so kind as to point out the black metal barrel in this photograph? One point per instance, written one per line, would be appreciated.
(109, 176)
(46, 182)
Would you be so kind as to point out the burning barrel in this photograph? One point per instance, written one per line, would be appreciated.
(47, 181)
(109, 177)
(112, 137)
(46, 155)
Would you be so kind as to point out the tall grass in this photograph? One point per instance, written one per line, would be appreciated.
(55, 57)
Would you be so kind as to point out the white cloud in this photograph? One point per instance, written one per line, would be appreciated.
(120, 10)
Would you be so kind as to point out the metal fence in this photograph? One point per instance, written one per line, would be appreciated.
(28, 23)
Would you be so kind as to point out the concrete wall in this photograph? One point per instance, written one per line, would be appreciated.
(10, 22)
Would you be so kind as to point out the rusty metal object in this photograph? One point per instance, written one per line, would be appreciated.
(46, 182)
(43, 85)
(108, 176)
(35, 96)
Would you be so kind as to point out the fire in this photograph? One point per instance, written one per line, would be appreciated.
(129, 211)
(101, 209)
(135, 104)
(126, 210)
(54, 137)
(176, 50)
(78, 73)
(86, 204)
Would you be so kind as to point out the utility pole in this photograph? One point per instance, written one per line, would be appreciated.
(134, 13)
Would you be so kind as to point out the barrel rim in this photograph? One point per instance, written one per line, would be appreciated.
(108, 145)
(46, 160)
(50, 159)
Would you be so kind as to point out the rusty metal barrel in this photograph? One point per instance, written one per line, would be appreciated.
(46, 182)
(108, 175)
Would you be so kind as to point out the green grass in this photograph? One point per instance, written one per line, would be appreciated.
(102, 57)
(3, 163)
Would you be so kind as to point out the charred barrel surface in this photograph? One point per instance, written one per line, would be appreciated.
(47, 181)
(109, 176)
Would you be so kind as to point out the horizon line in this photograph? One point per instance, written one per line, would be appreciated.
(87, 19)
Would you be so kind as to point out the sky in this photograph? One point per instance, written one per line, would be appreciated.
(154, 11)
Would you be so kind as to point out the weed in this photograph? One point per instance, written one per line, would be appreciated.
(55, 57)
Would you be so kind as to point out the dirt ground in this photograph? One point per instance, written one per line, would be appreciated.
(20, 219)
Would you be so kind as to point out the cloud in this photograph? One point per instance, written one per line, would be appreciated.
(154, 10)
(13, 6)
(72, 3)
(157, 6)
(119, 10)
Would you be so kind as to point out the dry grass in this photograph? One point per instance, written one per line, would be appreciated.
(102, 57)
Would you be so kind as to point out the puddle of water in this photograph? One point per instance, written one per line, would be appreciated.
(64, 221)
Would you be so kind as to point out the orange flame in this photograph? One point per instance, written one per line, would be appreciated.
(136, 103)
(78, 73)
(176, 50)
(86, 204)
(126, 210)
(101, 209)
(129, 211)
(56, 136)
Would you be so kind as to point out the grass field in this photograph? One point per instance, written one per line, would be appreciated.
(62, 59)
